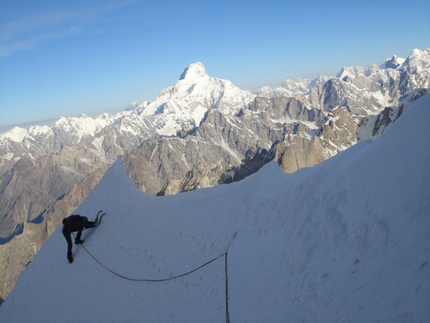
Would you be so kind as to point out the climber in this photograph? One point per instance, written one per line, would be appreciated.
(77, 223)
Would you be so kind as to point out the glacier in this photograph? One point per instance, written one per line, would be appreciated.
(344, 241)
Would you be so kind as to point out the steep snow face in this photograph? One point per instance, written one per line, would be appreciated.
(346, 240)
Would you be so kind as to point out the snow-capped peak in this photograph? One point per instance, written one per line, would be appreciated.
(15, 134)
(393, 62)
(182, 106)
(418, 62)
(193, 72)
(38, 130)
(291, 87)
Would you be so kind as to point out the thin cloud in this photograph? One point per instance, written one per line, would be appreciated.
(31, 32)
(21, 27)
(31, 42)
(25, 34)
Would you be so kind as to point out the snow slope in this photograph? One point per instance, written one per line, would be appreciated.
(344, 241)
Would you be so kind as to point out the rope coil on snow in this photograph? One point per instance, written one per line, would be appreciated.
(225, 254)
(169, 278)
(151, 280)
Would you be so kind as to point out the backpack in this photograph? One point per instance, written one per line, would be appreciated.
(74, 218)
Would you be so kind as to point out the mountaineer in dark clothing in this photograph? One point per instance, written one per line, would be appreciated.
(77, 223)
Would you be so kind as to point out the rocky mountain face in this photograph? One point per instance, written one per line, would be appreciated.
(200, 132)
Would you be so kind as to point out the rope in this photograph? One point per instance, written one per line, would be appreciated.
(227, 314)
(173, 277)
(150, 280)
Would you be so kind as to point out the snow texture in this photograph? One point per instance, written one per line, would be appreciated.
(344, 241)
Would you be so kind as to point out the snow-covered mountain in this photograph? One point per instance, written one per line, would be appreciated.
(362, 90)
(293, 87)
(176, 110)
(184, 105)
(344, 241)
(179, 109)
(200, 132)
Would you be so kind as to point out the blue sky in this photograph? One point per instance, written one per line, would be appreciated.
(64, 58)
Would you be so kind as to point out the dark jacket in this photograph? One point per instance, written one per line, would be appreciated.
(75, 223)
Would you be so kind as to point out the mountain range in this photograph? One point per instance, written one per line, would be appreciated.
(200, 132)
(344, 241)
